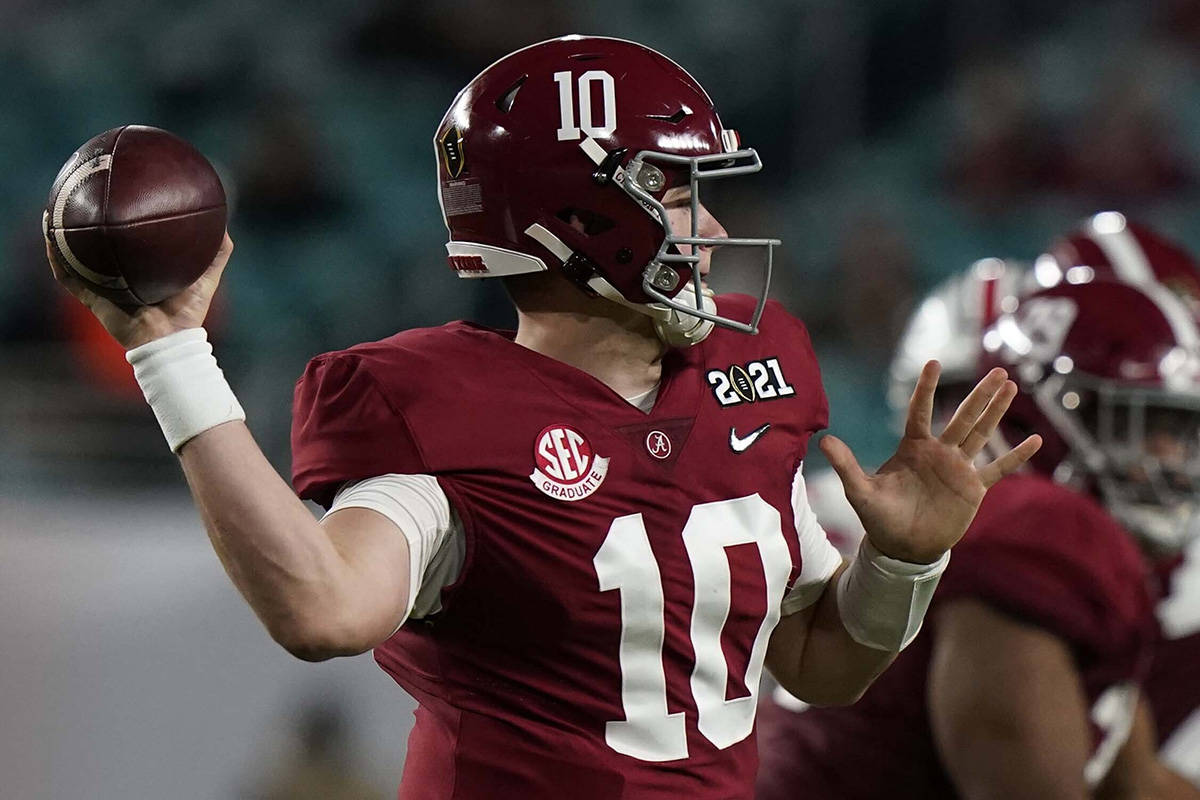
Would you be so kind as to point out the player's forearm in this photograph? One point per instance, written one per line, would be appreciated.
(279, 557)
(312, 600)
(992, 757)
(1159, 782)
(1167, 784)
(869, 611)
(997, 768)
(828, 667)
(1138, 772)
(1007, 706)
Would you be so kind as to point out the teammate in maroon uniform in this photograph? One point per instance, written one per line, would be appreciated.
(1112, 247)
(1172, 688)
(1024, 683)
(576, 545)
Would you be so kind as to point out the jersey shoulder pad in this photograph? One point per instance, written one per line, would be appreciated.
(1056, 558)
(344, 427)
(780, 358)
(1038, 514)
(348, 414)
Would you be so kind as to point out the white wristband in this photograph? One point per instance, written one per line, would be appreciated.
(183, 385)
(882, 601)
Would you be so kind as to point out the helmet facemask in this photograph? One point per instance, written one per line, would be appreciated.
(692, 306)
(1139, 447)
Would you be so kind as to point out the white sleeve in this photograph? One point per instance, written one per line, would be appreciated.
(819, 559)
(422, 512)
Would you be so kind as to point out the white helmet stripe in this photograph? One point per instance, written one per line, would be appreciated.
(1182, 323)
(548, 240)
(495, 260)
(1125, 254)
(593, 150)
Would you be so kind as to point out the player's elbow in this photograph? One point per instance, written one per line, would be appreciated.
(309, 650)
(314, 640)
(834, 696)
(823, 692)
(839, 696)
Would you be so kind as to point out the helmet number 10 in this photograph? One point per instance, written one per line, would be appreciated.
(569, 129)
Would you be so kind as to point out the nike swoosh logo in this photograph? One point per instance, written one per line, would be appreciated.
(740, 444)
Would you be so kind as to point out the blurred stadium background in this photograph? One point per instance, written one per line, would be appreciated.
(902, 140)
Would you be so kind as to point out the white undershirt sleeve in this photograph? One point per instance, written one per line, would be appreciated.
(819, 558)
(422, 512)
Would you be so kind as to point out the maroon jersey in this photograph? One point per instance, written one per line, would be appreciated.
(1037, 551)
(1173, 686)
(623, 570)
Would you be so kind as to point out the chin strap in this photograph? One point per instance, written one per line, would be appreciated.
(674, 328)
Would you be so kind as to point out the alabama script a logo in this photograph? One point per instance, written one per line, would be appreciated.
(566, 467)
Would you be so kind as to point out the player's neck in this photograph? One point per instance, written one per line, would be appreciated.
(622, 353)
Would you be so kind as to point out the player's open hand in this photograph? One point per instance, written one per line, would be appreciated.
(136, 325)
(920, 502)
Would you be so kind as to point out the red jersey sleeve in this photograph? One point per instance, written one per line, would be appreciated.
(345, 428)
(1055, 559)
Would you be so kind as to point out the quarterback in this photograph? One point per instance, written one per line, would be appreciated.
(579, 546)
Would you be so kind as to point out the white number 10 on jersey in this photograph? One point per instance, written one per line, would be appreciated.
(626, 562)
(569, 128)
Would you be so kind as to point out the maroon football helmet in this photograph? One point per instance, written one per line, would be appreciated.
(947, 326)
(1110, 377)
(557, 157)
(1107, 246)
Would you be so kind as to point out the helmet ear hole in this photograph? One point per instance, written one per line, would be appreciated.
(589, 223)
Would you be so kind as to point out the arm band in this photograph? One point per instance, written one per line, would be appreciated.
(183, 385)
(882, 601)
(437, 545)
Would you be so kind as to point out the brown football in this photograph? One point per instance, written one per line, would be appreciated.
(136, 213)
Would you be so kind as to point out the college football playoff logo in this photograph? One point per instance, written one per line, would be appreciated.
(749, 383)
(452, 151)
(566, 467)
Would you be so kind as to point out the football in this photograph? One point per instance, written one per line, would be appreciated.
(137, 214)
(742, 383)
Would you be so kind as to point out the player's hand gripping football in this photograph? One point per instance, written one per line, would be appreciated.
(136, 325)
(920, 502)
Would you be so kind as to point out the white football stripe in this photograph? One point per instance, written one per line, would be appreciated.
(82, 172)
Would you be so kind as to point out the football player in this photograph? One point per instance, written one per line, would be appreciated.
(1172, 690)
(578, 544)
(1023, 685)
(1124, 250)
